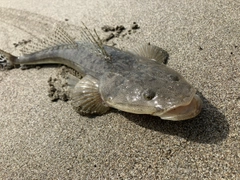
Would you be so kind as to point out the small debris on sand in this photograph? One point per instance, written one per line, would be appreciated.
(116, 31)
(20, 43)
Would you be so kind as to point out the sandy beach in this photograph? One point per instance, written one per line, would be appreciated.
(41, 139)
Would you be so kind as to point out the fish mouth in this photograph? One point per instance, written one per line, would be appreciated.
(183, 112)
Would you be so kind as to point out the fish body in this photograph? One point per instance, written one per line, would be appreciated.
(137, 82)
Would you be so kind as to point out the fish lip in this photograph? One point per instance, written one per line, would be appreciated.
(183, 112)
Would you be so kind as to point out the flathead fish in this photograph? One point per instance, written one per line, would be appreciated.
(137, 82)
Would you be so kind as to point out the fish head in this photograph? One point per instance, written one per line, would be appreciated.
(152, 89)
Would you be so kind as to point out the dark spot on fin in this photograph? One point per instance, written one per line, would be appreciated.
(152, 52)
(86, 98)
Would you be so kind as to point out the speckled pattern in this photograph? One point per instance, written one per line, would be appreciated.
(41, 139)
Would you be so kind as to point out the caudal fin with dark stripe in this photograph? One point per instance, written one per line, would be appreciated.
(6, 60)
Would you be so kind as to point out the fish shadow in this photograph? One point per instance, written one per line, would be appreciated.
(210, 126)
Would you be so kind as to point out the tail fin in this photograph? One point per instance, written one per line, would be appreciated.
(6, 60)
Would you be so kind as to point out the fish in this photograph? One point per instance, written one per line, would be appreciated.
(137, 81)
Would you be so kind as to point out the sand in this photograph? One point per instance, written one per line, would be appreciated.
(41, 139)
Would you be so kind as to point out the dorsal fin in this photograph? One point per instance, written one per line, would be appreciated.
(61, 37)
(96, 41)
(58, 37)
(38, 26)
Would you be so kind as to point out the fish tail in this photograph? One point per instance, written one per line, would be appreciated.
(7, 60)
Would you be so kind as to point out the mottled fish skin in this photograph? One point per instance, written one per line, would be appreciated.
(137, 82)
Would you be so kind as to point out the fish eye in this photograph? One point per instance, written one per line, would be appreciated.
(149, 94)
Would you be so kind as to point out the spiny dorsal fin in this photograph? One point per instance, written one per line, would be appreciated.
(97, 42)
(58, 37)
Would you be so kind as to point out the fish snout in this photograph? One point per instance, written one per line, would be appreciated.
(183, 112)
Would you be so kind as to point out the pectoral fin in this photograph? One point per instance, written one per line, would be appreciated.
(152, 52)
(86, 98)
